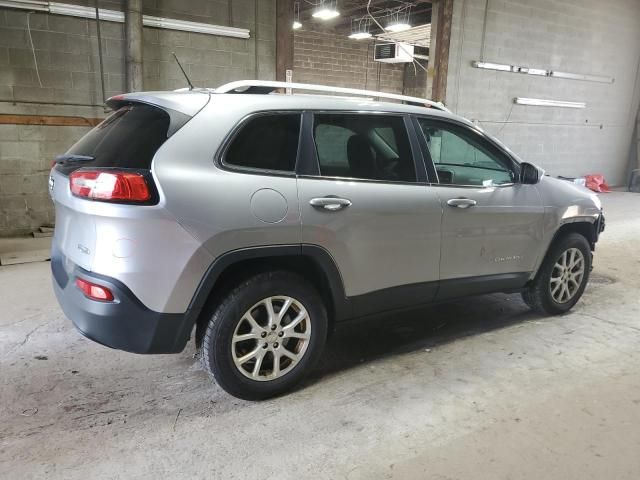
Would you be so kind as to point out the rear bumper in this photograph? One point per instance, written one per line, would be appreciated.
(124, 324)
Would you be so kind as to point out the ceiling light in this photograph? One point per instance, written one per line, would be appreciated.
(360, 35)
(296, 16)
(326, 10)
(397, 27)
(325, 13)
(398, 19)
(360, 28)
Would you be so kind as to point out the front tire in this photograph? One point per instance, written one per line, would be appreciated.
(562, 277)
(265, 335)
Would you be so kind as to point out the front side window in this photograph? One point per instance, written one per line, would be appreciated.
(370, 147)
(461, 159)
(266, 142)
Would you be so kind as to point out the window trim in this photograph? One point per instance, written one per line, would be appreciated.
(219, 157)
(483, 137)
(311, 151)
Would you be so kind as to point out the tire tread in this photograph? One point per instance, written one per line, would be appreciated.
(224, 313)
(537, 296)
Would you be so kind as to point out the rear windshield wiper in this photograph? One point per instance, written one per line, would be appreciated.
(70, 157)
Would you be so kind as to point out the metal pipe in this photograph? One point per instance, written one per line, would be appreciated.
(484, 31)
(133, 35)
(638, 139)
(256, 71)
(104, 95)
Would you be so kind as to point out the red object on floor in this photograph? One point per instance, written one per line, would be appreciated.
(596, 183)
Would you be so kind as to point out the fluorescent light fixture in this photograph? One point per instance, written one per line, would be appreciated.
(397, 27)
(579, 76)
(492, 66)
(360, 35)
(57, 8)
(25, 5)
(542, 72)
(197, 27)
(324, 13)
(297, 25)
(85, 12)
(529, 71)
(540, 102)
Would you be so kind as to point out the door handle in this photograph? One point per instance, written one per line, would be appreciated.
(461, 202)
(332, 204)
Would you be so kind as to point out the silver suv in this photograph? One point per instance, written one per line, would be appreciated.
(261, 220)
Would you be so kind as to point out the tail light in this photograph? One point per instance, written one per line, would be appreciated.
(93, 291)
(110, 185)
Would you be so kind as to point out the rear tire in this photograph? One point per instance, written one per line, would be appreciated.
(562, 277)
(265, 335)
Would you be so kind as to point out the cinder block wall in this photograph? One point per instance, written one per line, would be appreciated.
(415, 79)
(333, 59)
(587, 36)
(66, 50)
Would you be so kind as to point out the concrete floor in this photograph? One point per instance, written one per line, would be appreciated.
(479, 389)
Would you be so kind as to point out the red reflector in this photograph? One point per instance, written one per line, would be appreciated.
(109, 185)
(93, 291)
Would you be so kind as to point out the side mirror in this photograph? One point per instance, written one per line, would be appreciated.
(529, 173)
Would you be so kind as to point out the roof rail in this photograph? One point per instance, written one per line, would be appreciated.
(267, 86)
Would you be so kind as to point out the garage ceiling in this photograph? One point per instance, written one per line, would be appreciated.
(353, 9)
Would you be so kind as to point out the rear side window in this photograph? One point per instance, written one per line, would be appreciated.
(371, 147)
(128, 138)
(266, 142)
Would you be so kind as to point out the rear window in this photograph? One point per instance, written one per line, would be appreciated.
(128, 138)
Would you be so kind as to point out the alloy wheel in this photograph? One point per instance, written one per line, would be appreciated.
(271, 338)
(567, 275)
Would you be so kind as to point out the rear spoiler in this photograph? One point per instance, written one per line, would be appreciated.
(187, 102)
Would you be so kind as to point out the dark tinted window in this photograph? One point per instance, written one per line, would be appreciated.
(268, 142)
(372, 147)
(128, 138)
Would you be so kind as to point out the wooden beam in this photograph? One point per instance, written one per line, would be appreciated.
(284, 38)
(48, 120)
(443, 40)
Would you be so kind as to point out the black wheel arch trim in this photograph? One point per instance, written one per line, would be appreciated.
(320, 256)
(359, 306)
(573, 224)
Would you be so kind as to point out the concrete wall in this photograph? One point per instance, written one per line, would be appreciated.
(66, 50)
(333, 59)
(580, 36)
